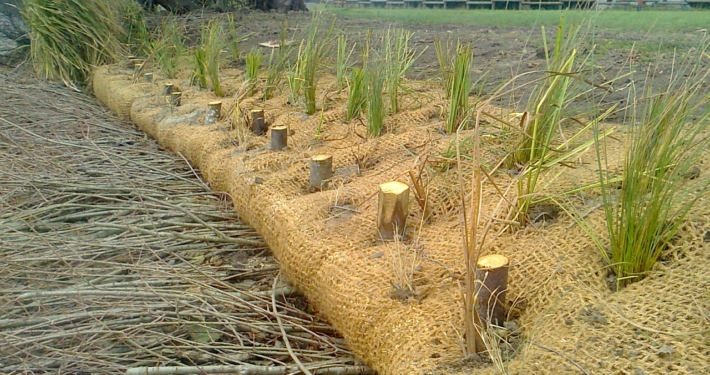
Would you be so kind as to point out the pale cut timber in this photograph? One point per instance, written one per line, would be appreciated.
(321, 171)
(490, 288)
(148, 77)
(258, 124)
(175, 98)
(279, 138)
(167, 89)
(214, 111)
(392, 209)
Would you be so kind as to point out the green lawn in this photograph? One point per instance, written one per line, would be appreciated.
(657, 21)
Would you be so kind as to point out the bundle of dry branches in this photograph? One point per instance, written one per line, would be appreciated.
(115, 257)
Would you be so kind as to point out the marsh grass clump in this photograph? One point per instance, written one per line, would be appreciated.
(167, 47)
(445, 56)
(314, 54)
(357, 90)
(278, 60)
(375, 103)
(232, 42)
(199, 74)
(460, 88)
(398, 58)
(253, 64)
(661, 179)
(88, 34)
(213, 40)
(342, 60)
(538, 147)
(136, 37)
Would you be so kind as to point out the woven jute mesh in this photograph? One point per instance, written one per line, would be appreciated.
(569, 319)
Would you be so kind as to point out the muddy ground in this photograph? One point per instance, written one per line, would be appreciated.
(620, 62)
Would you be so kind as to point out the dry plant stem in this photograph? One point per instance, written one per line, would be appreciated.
(420, 195)
(279, 138)
(490, 289)
(248, 369)
(116, 271)
(321, 171)
(258, 123)
(214, 111)
(283, 333)
(472, 323)
(392, 209)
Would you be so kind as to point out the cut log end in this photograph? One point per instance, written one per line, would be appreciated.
(492, 261)
(175, 98)
(167, 89)
(148, 77)
(279, 138)
(392, 209)
(321, 171)
(258, 123)
(490, 288)
(214, 111)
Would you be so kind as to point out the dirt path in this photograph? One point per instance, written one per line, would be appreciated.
(114, 255)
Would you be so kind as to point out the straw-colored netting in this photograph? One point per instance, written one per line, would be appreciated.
(328, 246)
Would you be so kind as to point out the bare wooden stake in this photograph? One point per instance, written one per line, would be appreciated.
(392, 209)
(321, 170)
(258, 124)
(167, 89)
(148, 77)
(175, 98)
(490, 288)
(214, 111)
(279, 138)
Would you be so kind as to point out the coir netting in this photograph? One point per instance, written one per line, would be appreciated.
(567, 319)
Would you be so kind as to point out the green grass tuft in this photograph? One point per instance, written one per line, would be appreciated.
(375, 104)
(357, 89)
(213, 39)
(661, 180)
(167, 47)
(253, 62)
(460, 89)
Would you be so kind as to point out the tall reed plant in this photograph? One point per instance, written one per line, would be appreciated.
(460, 88)
(314, 54)
(232, 41)
(70, 37)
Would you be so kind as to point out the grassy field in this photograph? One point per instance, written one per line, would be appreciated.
(619, 20)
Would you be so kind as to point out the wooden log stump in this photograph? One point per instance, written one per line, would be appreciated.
(148, 77)
(490, 288)
(167, 89)
(175, 98)
(392, 209)
(279, 138)
(321, 171)
(214, 111)
(258, 124)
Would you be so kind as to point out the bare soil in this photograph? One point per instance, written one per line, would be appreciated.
(635, 61)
